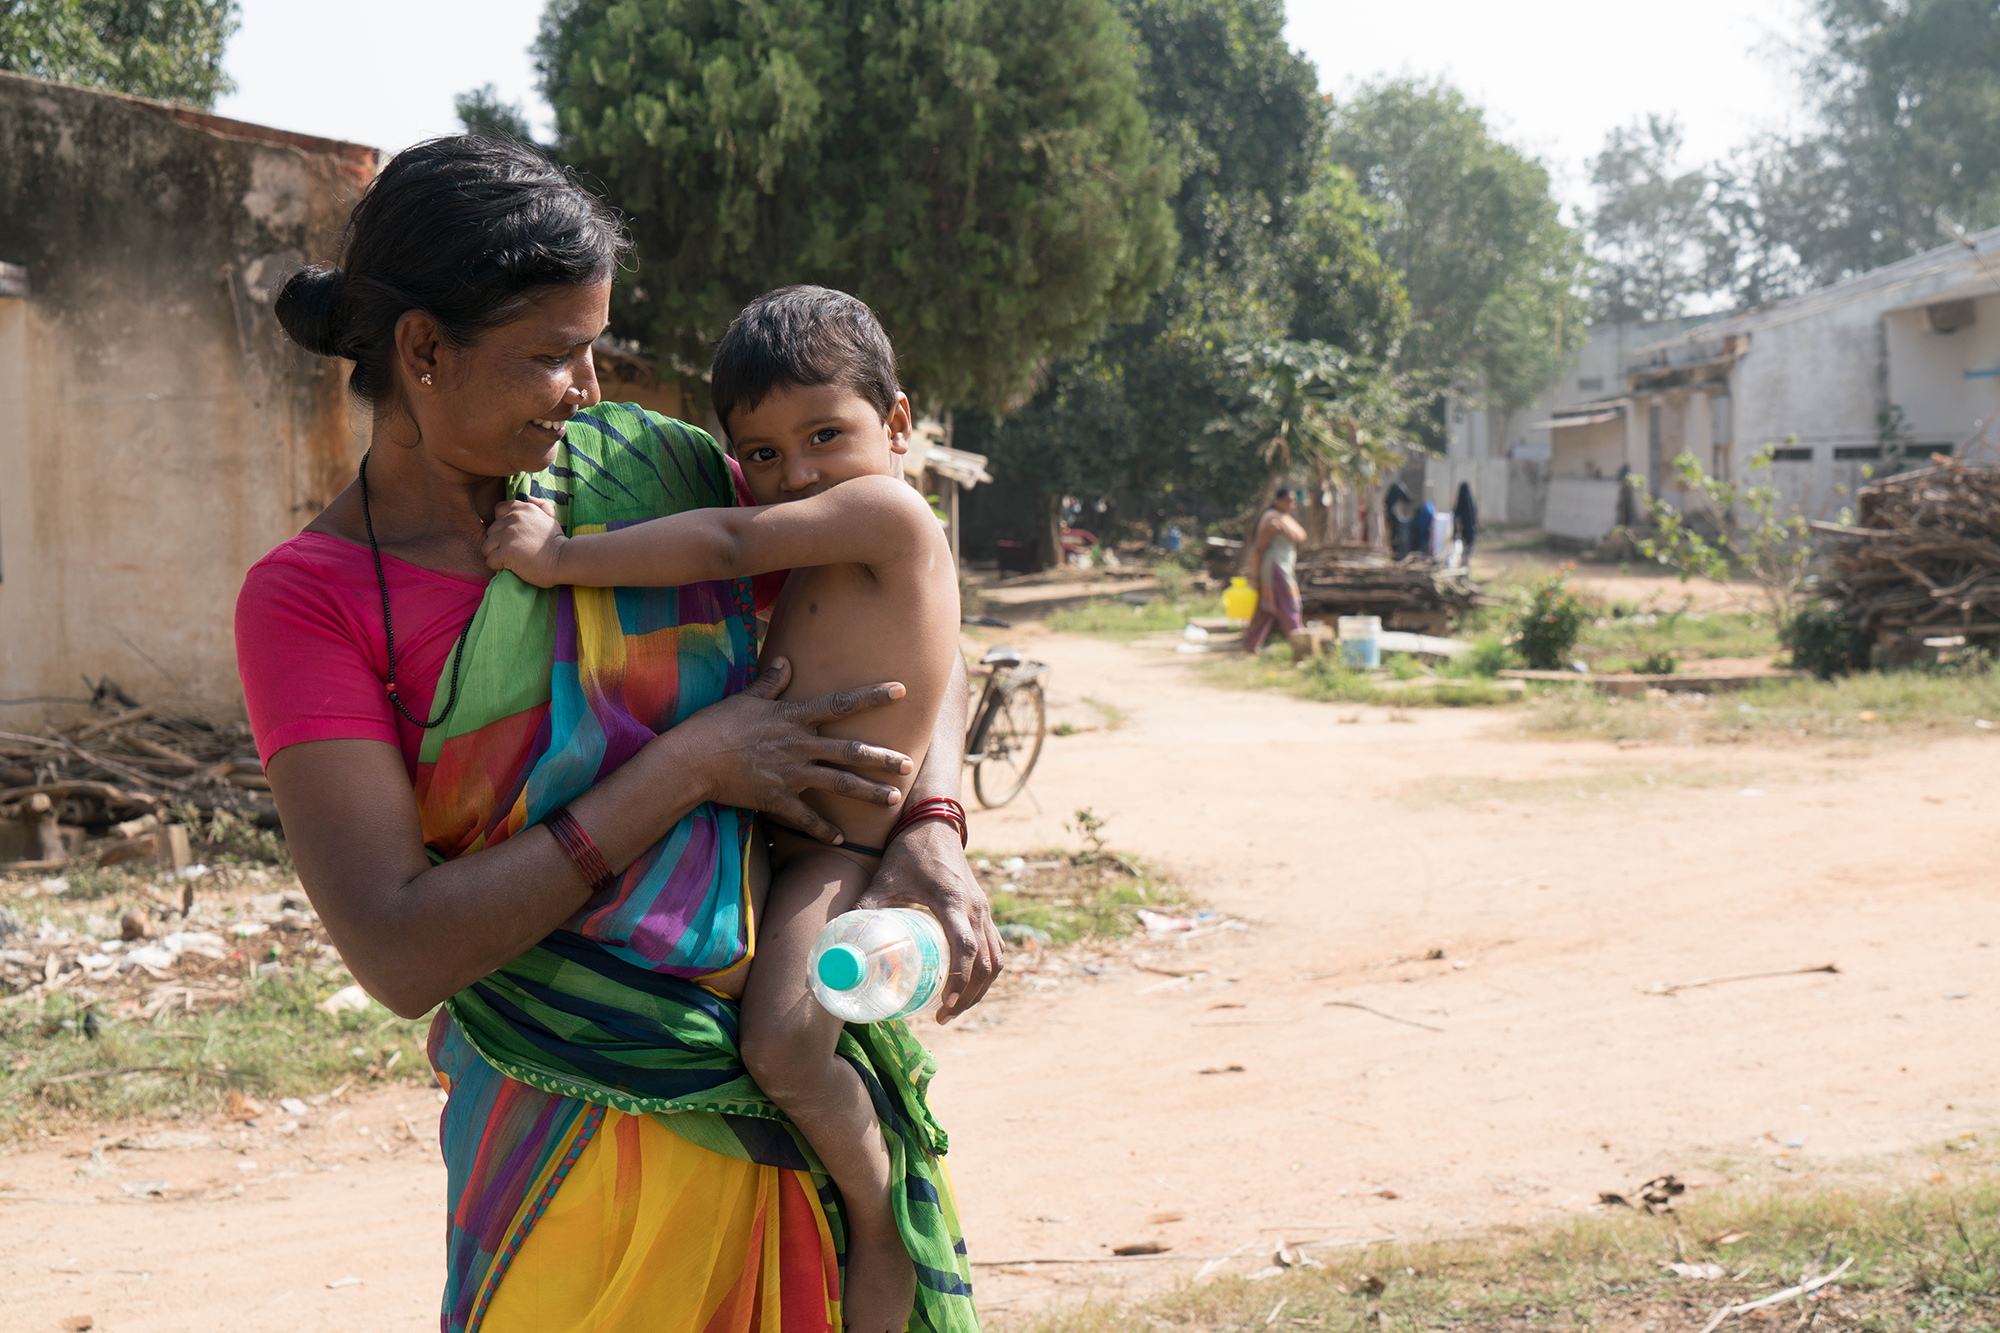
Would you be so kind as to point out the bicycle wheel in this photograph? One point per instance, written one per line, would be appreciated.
(1009, 744)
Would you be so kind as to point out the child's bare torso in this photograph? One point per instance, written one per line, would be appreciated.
(848, 625)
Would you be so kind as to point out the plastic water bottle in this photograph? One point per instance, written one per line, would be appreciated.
(871, 965)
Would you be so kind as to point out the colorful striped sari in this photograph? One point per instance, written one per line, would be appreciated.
(611, 1164)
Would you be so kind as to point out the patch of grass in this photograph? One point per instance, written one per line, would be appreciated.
(1913, 703)
(1585, 786)
(1924, 1258)
(1114, 716)
(1328, 679)
(1115, 618)
(1075, 895)
(274, 1043)
(1618, 638)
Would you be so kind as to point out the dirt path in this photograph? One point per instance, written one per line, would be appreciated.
(1558, 880)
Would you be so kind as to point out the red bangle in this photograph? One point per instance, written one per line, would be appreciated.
(935, 807)
(570, 835)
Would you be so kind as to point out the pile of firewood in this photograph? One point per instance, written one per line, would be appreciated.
(111, 788)
(1414, 593)
(1922, 558)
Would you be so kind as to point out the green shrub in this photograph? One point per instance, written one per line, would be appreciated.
(1823, 642)
(1548, 624)
(1658, 664)
(1489, 657)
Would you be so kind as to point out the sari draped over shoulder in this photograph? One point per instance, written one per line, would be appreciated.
(611, 1164)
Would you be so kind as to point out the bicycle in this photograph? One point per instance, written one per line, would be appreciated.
(1005, 738)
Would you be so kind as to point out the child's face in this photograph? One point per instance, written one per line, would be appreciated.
(799, 441)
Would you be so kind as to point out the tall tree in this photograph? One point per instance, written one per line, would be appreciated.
(1655, 243)
(484, 111)
(981, 172)
(165, 49)
(1491, 269)
(1908, 99)
(1274, 249)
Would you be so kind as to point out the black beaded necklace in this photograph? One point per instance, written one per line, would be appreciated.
(389, 629)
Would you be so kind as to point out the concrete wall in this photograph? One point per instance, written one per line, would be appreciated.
(160, 433)
(1943, 382)
(1824, 376)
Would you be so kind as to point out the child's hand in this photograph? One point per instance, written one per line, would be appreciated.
(525, 537)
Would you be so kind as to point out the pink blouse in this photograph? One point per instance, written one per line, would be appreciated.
(313, 656)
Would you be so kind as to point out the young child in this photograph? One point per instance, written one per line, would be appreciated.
(804, 383)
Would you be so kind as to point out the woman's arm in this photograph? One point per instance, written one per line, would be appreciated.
(414, 934)
(866, 520)
(1292, 527)
(1260, 542)
(926, 865)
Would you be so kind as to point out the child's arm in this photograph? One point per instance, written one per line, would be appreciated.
(867, 520)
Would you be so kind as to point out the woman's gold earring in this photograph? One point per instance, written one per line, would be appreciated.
(424, 380)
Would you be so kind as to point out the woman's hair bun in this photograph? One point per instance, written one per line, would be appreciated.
(309, 308)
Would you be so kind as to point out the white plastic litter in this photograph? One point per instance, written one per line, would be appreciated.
(345, 999)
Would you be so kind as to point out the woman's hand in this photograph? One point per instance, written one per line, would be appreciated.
(926, 867)
(764, 753)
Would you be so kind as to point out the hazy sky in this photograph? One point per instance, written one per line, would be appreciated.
(1553, 75)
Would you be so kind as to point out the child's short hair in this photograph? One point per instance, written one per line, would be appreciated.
(801, 338)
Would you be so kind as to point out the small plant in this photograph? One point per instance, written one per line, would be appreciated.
(1489, 657)
(1089, 826)
(1548, 624)
(1402, 666)
(1658, 663)
(1752, 533)
(1822, 642)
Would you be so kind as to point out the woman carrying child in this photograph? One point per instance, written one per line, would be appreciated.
(533, 806)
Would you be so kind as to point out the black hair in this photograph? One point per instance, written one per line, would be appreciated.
(462, 228)
(801, 338)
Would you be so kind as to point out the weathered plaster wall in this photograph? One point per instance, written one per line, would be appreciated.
(1928, 371)
(158, 433)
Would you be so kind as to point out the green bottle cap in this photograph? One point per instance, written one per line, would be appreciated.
(842, 967)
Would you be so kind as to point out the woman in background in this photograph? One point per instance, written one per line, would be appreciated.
(1274, 556)
(1465, 521)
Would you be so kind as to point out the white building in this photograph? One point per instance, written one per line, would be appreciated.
(1506, 455)
(1906, 357)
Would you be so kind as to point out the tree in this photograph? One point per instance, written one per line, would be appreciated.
(1243, 109)
(165, 49)
(1306, 407)
(981, 172)
(1907, 96)
(1654, 240)
(1274, 249)
(1491, 270)
(482, 112)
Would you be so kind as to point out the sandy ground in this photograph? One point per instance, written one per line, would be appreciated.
(1529, 1071)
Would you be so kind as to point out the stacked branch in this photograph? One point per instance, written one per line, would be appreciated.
(106, 789)
(1413, 593)
(1923, 558)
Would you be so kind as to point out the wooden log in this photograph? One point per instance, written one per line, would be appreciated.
(159, 751)
(36, 841)
(98, 728)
